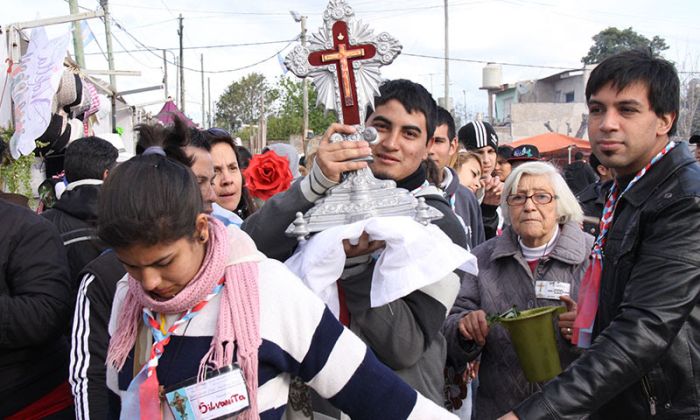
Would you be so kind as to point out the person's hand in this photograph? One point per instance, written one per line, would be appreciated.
(473, 369)
(363, 246)
(566, 320)
(473, 326)
(509, 416)
(493, 188)
(334, 158)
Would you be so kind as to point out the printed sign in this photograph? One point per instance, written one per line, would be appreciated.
(35, 81)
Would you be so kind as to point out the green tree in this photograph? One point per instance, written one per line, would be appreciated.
(611, 41)
(289, 119)
(242, 102)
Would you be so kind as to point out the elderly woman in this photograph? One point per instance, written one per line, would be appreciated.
(538, 261)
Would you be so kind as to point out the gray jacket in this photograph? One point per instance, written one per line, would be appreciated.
(505, 279)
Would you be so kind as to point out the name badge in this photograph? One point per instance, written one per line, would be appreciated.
(552, 289)
(222, 395)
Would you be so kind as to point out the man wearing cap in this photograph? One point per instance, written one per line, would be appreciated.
(464, 203)
(480, 137)
(592, 198)
(503, 167)
(88, 161)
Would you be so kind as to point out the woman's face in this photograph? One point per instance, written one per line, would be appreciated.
(535, 223)
(469, 175)
(228, 176)
(164, 269)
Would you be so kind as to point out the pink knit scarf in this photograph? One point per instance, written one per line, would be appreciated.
(239, 311)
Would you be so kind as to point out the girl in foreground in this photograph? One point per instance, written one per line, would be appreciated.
(199, 297)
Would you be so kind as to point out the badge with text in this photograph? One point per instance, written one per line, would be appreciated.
(552, 289)
(222, 395)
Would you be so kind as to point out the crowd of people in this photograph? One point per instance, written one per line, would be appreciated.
(162, 271)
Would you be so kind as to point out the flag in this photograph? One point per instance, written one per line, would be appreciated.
(280, 59)
(88, 36)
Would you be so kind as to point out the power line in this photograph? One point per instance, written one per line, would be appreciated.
(488, 61)
(156, 52)
(201, 47)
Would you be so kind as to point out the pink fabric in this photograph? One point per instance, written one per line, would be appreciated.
(587, 304)
(239, 311)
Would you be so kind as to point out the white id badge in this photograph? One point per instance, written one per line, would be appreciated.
(221, 396)
(552, 289)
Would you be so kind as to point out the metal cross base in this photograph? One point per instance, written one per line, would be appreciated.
(359, 197)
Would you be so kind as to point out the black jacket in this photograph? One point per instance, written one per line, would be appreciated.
(90, 335)
(592, 201)
(35, 305)
(75, 216)
(579, 175)
(645, 359)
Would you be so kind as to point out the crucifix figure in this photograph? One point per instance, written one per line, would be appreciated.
(343, 55)
(343, 61)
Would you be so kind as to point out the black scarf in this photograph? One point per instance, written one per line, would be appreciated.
(413, 181)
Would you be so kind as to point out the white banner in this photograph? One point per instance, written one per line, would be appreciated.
(35, 80)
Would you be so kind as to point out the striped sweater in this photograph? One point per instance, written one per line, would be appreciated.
(300, 337)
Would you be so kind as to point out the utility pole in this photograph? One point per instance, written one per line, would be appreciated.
(447, 61)
(77, 35)
(165, 75)
(201, 65)
(182, 64)
(110, 62)
(305, 97)
(211, 118)
(177, 82)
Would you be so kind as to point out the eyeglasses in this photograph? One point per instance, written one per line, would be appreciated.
(537, 198)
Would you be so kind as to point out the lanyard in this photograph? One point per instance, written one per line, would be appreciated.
(161, 338)
(614, 198)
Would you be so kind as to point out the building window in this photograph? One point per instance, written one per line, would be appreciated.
(569, 97)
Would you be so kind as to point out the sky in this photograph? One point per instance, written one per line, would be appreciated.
(533, 38)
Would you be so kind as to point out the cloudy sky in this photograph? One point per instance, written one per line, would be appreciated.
(535, 37)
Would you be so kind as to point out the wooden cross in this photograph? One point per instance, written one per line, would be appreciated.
(343, 55)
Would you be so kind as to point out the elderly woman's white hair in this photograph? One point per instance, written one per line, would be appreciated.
(568, 208)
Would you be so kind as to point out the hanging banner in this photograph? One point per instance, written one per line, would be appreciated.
(35, 80)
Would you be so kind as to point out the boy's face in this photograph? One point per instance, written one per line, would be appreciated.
(443, 147)
(402, 141)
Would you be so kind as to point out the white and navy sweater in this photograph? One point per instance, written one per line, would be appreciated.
(300, 337)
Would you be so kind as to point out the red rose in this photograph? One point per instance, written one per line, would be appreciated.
(267, 174)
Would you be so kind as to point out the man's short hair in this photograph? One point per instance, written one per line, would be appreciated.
(88, 158)
(578, 156)
(413, 96)
(629, 67)
(445, 118)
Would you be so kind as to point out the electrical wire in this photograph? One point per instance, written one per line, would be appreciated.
(466, 60)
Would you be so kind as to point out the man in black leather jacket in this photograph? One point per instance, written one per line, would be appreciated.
(644, 361)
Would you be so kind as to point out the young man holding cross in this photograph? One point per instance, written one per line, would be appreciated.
(639, 304)
(404, 334)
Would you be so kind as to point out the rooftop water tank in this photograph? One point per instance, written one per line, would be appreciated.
(492, 75)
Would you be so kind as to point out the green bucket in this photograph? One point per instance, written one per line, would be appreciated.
(532, 334)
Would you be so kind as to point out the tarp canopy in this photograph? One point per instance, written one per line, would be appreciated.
(552, 142)
(169, 111)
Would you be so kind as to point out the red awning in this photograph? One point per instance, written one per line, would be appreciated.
(552, 142)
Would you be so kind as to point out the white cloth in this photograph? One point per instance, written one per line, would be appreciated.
(415, 256)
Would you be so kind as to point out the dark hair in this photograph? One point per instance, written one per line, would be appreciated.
(628, 67)
(172, 139)
(89, 158)
(244, 156)
(444, 117)
(594, 162)
(413, 97)
(432, 172)
(148, 200)
(247, 205)
(578, 155)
